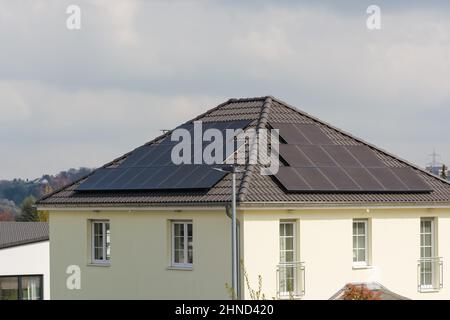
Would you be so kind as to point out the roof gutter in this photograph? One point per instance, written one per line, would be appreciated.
(319, 205)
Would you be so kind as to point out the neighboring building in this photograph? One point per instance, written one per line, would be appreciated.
(339, 211)
(24, 261)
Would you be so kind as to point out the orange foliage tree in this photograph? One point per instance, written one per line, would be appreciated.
(360, 292)
(6, 216)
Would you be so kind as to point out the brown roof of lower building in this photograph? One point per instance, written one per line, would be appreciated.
(14, 234)
(255, 188)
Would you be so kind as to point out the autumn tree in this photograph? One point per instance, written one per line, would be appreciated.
(359, 292)
(6, 216)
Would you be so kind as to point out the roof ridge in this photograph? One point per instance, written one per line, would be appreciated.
(248, 172)
(370, 145)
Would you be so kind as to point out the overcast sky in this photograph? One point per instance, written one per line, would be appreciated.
(71, 98)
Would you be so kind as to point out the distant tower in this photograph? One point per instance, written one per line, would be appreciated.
(434, 166)
(434, 156)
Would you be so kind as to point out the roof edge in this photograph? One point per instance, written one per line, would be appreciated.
(25, 242)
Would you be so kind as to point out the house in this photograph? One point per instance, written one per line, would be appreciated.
(339, 210)
(24, 261)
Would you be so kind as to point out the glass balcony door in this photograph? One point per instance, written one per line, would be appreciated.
(287, 268)
(427, 253)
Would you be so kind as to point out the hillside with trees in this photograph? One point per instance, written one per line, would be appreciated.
(18, 196)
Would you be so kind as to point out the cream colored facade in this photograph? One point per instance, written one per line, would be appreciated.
(141, 251)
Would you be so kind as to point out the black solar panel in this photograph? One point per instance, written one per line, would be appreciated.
(316, 164)
(291, 153)
(290, 133)
(411, 179)
(340, 179)
(364, 180)
(291, 180)
(155, 178)
(317, 156)
(314, 134)
(316, 179)
(387, 178)
(301, 133)
(150, 167)
(365, 156)
(341, 156)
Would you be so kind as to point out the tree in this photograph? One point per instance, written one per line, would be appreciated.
(6, 216)
(28, 211)
(360, 292)
(42, 216)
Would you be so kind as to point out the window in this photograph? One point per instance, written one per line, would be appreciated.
(21, 288)
(287, 258)
(427, 253)
(101, 243)
(360, 243)
(182, 244)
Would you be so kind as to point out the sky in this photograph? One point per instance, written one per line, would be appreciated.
(80, 98)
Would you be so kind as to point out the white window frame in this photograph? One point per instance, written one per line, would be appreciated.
(433, 253)
(185, 264)
(294, 254)
(364, 263)
(105, 260)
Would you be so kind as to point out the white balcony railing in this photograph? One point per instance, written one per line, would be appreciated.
(290, 280)
(430, 274)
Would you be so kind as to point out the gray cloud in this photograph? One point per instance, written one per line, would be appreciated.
(80, 98)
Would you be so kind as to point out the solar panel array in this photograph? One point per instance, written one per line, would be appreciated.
(317, 164)
(150, 167)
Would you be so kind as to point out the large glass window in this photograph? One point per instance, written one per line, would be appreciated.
(360, 242)
(182, 244)
(21, 288)
(101, 242)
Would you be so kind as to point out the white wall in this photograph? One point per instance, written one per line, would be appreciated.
(29, 259)
(140, 256)
(140, 250)
(324, 243)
